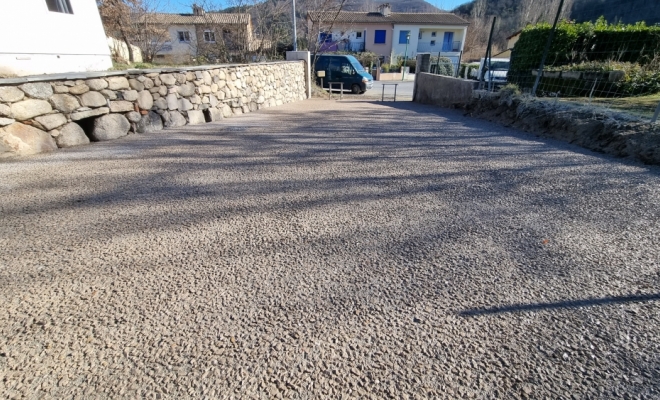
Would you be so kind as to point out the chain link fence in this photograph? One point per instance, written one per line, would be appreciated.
(606, 64)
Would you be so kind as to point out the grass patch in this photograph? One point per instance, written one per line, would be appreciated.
(641, 106)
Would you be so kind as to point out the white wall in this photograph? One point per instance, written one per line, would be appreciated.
(120, 48)
(37, 41)
(182, 48)
(423, 46)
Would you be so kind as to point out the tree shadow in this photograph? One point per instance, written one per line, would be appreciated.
(514, 308)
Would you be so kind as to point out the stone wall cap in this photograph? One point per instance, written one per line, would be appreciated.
(101, 74)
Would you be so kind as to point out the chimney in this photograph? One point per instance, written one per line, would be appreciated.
(385, 9)
(197, 10)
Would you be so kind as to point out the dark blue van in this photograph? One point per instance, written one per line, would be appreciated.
(346, 69)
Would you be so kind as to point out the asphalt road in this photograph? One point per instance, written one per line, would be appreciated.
(328, 249)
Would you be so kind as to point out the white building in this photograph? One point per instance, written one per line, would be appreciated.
(447, 40)
(51, 36)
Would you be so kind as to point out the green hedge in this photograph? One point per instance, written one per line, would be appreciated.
(579, 43)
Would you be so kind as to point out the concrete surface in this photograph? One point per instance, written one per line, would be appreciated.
(330, 249)
(443, 91)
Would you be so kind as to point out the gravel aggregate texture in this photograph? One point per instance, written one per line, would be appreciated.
(328, 249)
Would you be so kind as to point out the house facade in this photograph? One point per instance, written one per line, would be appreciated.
(390, 35)
(66, 36)
(215, 36)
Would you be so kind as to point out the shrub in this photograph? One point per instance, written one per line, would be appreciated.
(445, 66)
(585, 42)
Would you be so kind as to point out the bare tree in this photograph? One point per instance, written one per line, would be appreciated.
(116, 17)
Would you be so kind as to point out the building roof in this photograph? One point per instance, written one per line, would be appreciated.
(207, 18)
(347, 17)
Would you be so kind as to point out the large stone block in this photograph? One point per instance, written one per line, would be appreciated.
(161, 103)
(151, 122)
(168, 79)
(21, 140)
(185, 105)
(145, 100)
(71, 135)
(173, 119)
(6, 121)
(135, 84)
(187, 89)
(77, 116)
(79, 89)
(121, 106)
(226, 111)
(130, 95)
(96, 84)
(51, 121)
(37, 90)
(10, 94)
(64, 102)
(27, 109)
(196, 117)
(5, 110)
(172, 102)
(93, 99)
(111, 126)
(117, 83)
(109, 94)
(213, 114)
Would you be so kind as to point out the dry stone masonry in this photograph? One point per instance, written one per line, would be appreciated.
(42, 116)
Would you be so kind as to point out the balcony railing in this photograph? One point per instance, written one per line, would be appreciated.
(438, 46)
(355, 47)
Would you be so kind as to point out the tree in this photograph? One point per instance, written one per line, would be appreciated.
(135, 22)
(116, 17)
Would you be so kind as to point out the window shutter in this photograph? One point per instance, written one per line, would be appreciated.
(380, 36)
(447, 41)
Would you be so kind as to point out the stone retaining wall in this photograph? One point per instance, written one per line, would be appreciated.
(53, 112)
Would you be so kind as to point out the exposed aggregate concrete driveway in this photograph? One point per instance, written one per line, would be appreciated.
(330, 250)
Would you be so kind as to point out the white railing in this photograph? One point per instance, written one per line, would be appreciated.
(427, 47)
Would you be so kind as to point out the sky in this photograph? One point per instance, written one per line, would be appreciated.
(183, 6)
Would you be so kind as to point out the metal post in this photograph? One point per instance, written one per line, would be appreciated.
(490, 41)
(547, 48)
(656, 115)
(295, 35)
(405, 57)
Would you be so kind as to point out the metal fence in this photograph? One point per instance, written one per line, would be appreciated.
(611, 64)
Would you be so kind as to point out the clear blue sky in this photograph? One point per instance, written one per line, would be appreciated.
(183, 6)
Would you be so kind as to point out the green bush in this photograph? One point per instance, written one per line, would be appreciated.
(445, 66)
(412, 64)
(385, 68)
(582, 43)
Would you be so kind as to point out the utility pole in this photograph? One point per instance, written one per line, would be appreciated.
(405, 57)
(295, 35)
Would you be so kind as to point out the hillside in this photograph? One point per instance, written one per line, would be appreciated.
(625, 11)
(397, 5)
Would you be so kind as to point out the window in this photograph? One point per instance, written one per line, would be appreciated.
(403, 37)
(209, 36)
(184, 36)
(60, 6)
(447, 41)
(432, 34)
(380, 36)
(432, 42)
(325, 37)
(358, 35)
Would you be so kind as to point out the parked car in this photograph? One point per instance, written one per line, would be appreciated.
(346, 69)
(499, 67)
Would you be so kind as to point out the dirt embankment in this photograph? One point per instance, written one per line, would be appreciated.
(595, 129)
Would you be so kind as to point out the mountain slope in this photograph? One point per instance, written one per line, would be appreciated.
(397, 5)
